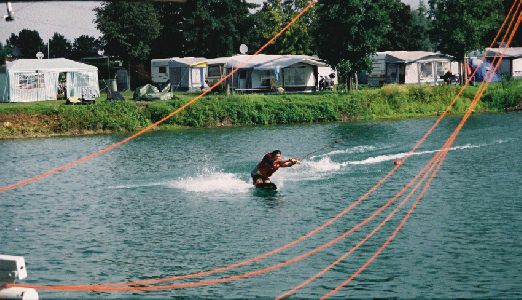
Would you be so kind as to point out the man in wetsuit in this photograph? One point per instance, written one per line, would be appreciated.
(270, 163)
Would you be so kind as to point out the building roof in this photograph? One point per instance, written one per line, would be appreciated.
(52, 64)
(411, 56)
(512, 52)
(190, 61)
(218, 60)
(270, 62)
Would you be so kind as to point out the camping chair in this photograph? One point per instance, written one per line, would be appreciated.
(73, 100)
(88, 95)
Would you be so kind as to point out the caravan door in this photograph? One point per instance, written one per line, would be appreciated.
(242, 79)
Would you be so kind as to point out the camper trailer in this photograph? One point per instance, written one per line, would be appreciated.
(410, 67)
(265, 73)
(159, 70)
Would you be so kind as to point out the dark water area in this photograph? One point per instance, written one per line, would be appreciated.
(173, 203)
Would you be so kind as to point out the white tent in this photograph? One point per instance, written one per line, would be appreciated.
(28, 80)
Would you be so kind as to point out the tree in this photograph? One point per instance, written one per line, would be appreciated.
(460, 26)
(217, 27)
(421, 27)
(85, 46)
(349, 31)
(399, 37)
(128, 28)
(517, 39)
(27, 41)
(409, 29)
(4, 52)
(59, 46)
(170, 41)
(277, 13)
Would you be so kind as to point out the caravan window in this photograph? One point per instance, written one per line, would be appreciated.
(265, 77)
(442, 67)
(426, 70)
(162, 70)
(214, 71)
(295, 76)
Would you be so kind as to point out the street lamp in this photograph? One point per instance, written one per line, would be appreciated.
(101, 52)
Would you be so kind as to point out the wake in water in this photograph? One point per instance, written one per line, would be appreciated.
(317, 167)
(212, 182)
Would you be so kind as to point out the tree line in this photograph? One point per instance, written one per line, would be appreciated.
(343, 32)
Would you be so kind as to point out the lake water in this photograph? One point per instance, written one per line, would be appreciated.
(172, 203)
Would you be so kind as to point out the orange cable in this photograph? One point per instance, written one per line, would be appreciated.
(149, 127)
(423, 192)
(90, 287)
(267, 254)
(309, 280)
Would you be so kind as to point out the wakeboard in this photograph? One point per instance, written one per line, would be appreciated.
(266, 186)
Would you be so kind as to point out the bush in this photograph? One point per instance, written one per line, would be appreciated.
(110, 116)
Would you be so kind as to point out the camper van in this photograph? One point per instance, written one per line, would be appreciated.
(159, 70)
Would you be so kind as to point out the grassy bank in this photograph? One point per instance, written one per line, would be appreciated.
(392, 101)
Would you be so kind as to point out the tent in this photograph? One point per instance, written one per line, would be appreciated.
(410, 67)
(482, 69)
(28, 80)
(265, 72)
(187, 73)
(511, 63)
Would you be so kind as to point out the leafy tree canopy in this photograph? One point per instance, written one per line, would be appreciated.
(59, 46)
(349, 31)
(217, 27)
(172, 17)
(27, 41)
(273, 16)
(85, 46)
(128, 28)
(409, 29)
(460, 26)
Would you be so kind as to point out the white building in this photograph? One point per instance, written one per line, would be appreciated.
(28, 80)
(410, 67)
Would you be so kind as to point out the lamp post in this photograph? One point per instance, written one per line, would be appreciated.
(101, 52)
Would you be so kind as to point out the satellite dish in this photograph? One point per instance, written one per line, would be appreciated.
(39, 55)
(243, 49)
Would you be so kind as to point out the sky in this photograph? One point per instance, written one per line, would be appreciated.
(69, 18)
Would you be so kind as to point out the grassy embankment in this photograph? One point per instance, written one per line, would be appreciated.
(392, 101)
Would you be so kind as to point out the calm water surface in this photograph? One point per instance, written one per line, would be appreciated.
(172, 203)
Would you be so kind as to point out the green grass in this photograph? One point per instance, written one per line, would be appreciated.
(391, 101)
